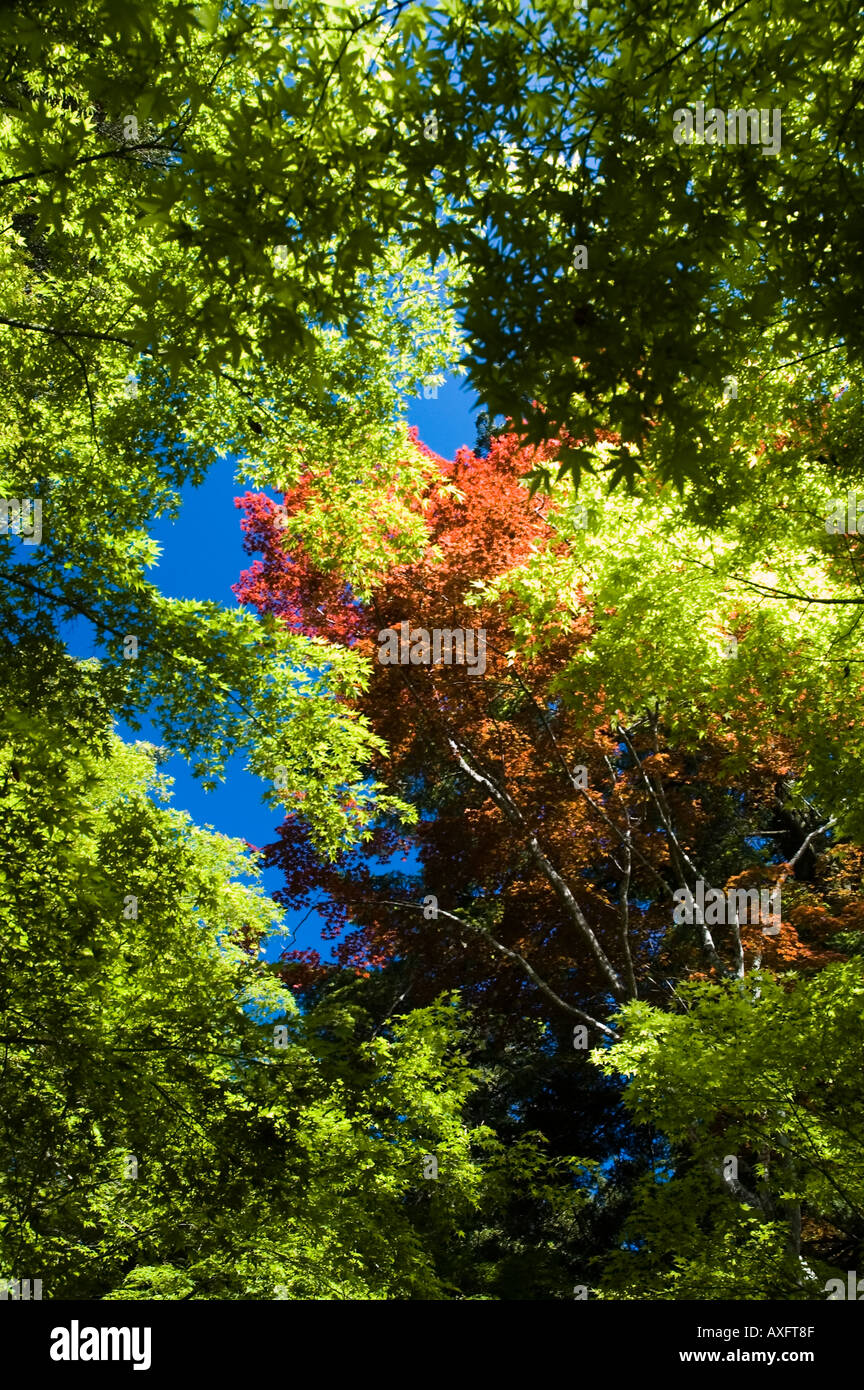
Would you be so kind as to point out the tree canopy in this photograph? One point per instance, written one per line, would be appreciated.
(514, 711)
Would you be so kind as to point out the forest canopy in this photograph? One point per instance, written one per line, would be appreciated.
(561, 737)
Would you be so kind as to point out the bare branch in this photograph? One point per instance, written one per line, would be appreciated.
(583, 791)
(814, 834)
(624, 916)
(514, 955)
(679, 854)
(506, 804)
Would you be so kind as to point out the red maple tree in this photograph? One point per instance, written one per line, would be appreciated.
(550, 844)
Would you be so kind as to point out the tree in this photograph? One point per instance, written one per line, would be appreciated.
(735, 610)
(558, 818)
(165, 301)
(238, 229)
(593, 766)
(172, 1126)
(150, 324)
(507, 141)
(620, 276)
(759, 1091)
(554, 825)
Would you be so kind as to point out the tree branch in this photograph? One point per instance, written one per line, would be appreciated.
(506, 804)
(514, 955)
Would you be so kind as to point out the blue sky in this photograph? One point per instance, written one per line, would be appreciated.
(202, 556)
